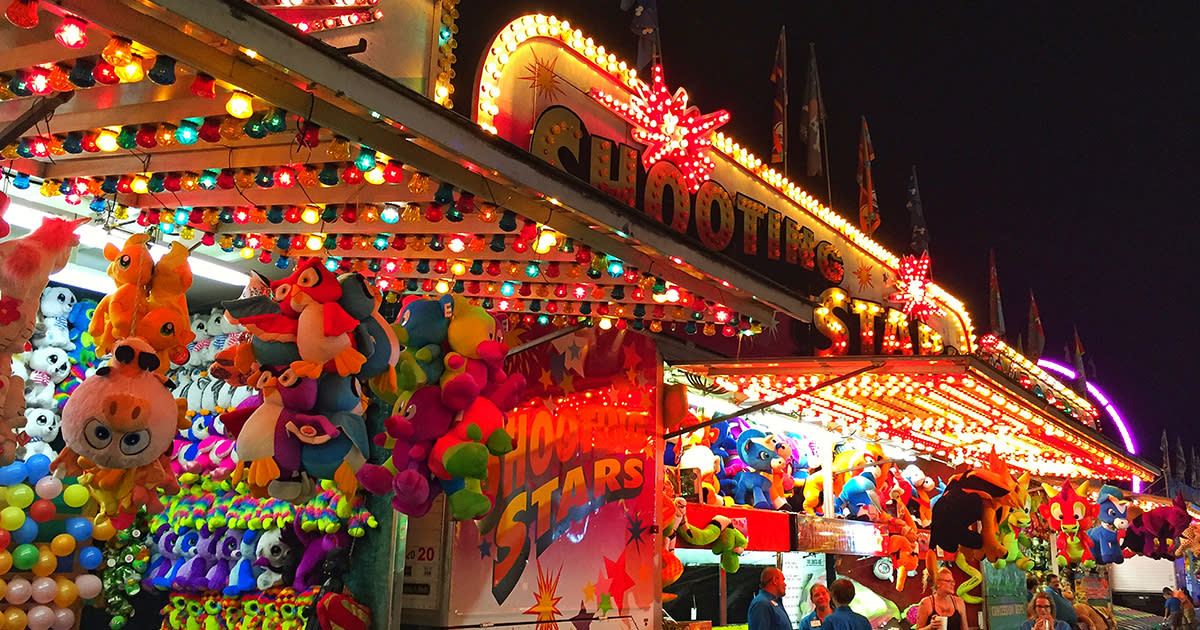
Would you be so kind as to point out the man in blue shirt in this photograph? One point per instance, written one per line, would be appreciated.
(766, 610)
(821, 609)
(842, 618)
(1173, 610)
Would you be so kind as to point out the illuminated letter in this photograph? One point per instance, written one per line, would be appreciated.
(621, 181)
(558, 130)
(829, 262)
(829, 325)
(712, 194)
(663, 176)
(896, 338)
(541, 447)
(800, 244)
(774, 219)
(512, 544)
(752, 212)
(931, 342)
(867, 312)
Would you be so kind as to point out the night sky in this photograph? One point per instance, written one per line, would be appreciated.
(1061, 134)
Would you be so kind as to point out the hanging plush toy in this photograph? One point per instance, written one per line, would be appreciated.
(118, 426)
(1113, 521)
(1151, 533)
(1012, 528)
(1068, 511)
(851, 460)
(56, 306)
(25, 266)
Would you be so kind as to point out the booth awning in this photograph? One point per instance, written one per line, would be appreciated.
(957, 408)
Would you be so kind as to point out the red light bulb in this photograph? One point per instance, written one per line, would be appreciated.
(23, 13)
(105, 73)
(204, 86)
(72, 32)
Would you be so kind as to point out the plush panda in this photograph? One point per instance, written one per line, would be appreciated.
(48, 367)
(56, 306)
(41, 427)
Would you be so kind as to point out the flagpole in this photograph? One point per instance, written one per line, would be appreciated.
(783, 38)
(812, 50)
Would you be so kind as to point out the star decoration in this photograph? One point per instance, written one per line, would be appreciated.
(911, 285)
(605, 604)
(636, 529)
(485, 549)
(632, 375)
(863, 273)
(630, 356)
(546, 380)
(546, 606)
(582, 621)
(670, 129)
(589, 591)
(573, 350)
(567, 383)
(542, 78)
(621, 582)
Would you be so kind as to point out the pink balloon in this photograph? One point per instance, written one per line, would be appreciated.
(19, 590)
(48, 487)
(64, 619)
(40, 618)
(88, 585)
(44, 590)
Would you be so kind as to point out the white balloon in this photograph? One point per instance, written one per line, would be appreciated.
(88, 585)
(40, 618)
(64, 619)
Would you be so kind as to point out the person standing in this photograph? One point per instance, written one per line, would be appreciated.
(1041, 615)
(1189, 608)
(819, 595)
(1064, 610)
(1031, 587)
(1172, 609)
(942, 604)
(766, 609)
(842, 618)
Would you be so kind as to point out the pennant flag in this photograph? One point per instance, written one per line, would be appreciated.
(779, 125)
(814, 117)
(1037, 336)
(995, 308)
(919, 243)
(1077, 360)
(645, 26)
(868, 202)
(1195, 478)
(1165, 447)
(1180, 461)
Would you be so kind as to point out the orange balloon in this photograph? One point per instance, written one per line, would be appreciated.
(16, 619)
(46, 563)
(62, 545)
(5, 562)
(3, 589)
(67, 592)
(103, 528)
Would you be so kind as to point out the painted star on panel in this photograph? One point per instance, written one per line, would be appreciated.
(583, 621)
(636, 529)
(542, 78)
(863, 274)
(546, 600)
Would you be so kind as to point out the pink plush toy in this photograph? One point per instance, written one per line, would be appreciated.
(475, 363)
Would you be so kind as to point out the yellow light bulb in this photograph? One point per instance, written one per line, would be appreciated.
(106, 141)
(310, 215)
(140, 185)
(458, 268)
(247, 253)
(314, 242)
(374, 176)
(239, 105)
(130, 71)
(546, 241)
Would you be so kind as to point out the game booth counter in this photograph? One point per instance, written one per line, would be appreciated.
(411, 369)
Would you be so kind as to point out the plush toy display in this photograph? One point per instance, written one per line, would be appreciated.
(1152, 533)
(1068, 512)
(850, 460)
(118, 426)
(1113, 521)
(41, 428)
(1012, 530)
(768, 460)
(56, 306)
(25, 267)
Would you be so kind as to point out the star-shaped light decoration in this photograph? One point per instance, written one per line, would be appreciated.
(546, 606)
(670, 129)
(912, 282)
(542, 78)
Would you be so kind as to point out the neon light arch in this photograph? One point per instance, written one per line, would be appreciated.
(550, 29)
(1105, 403)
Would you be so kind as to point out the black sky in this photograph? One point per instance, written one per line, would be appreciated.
(1061, 134)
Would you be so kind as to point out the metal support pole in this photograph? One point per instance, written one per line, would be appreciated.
(724, 616)
(561, 332)
(37, 112)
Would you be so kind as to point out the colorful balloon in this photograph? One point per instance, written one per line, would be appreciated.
(62, 545)
(40, 618)
(42, 510)
(48, 487)
(5, 539)
(88, 585)
(46, 563)
(19, 590)
(11, 517)
(79, 528)
(103, 529)
(67, 592)
(26, 532)
(64, 619)
(44, 590)
(5, 562)
(24, 557)
(75, 495)
(90, 557)
(37, 466)
(16, 619)
(13, 474)
(21, 496)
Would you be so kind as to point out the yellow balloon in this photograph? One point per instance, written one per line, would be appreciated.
(5, 562)
(12, 518)
(3, 589)
(67, 592)
(21, 496)
(75, 495)
(47, 562)
(102, 528)
(16, 619)
(62, 545)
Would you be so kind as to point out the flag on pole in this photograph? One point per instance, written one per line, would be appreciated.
(1180, 460)
(779, 124)
(995, 308)
(645, 26)
(919, 242)
(868, 202)
(814, 117)
(1165, 447)
(1077, 361)
(1037, 336)
(1195, 479)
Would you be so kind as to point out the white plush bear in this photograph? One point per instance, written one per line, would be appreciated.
(198, 349)
(47, 368)
(219, 328)
(56, 306)
(41, 426)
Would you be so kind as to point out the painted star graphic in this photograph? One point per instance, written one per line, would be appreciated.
(546, 380)
(632, 375)
(621, 582)
(485, 549)
(670, 129)
(605, 604)
(630, 358)
(589, 592)
(542, 78)
(567, 383)
(636, 530)
(911, 286)
(572, 349)
(863, 273)
(546, 606)
(582, 621)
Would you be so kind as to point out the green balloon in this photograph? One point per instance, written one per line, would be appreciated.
(25, 556)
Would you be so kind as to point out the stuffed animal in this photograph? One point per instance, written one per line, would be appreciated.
(362, 299)
(310, 295)
(1151, 533)
(859, 498)
(119, 426)
(1113, 521)
(198, 349)
(766, 458)
(41, 428)
(846, 460)
(1011, 529)
(1189, 541)
(78, 322)
(48, 367)
(131, 268)
(425, 323)
(701, 458)
(419, 420)
(278, 553)
(461, 457)
(56, 306)
(1068, 512)
(475, 363)
(981, 495)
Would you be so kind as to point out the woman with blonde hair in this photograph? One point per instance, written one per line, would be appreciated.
(1041, 614)
(943, 610)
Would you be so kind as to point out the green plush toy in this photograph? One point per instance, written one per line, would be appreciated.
(722, 536)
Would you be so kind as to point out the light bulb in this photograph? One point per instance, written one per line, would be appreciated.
(239, 105)
(106, 141)
(118, 52)
(72, 32)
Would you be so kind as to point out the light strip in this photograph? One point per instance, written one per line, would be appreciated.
(94, 237)
(1101, 398)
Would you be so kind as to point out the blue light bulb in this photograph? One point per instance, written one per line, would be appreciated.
(508, 289)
